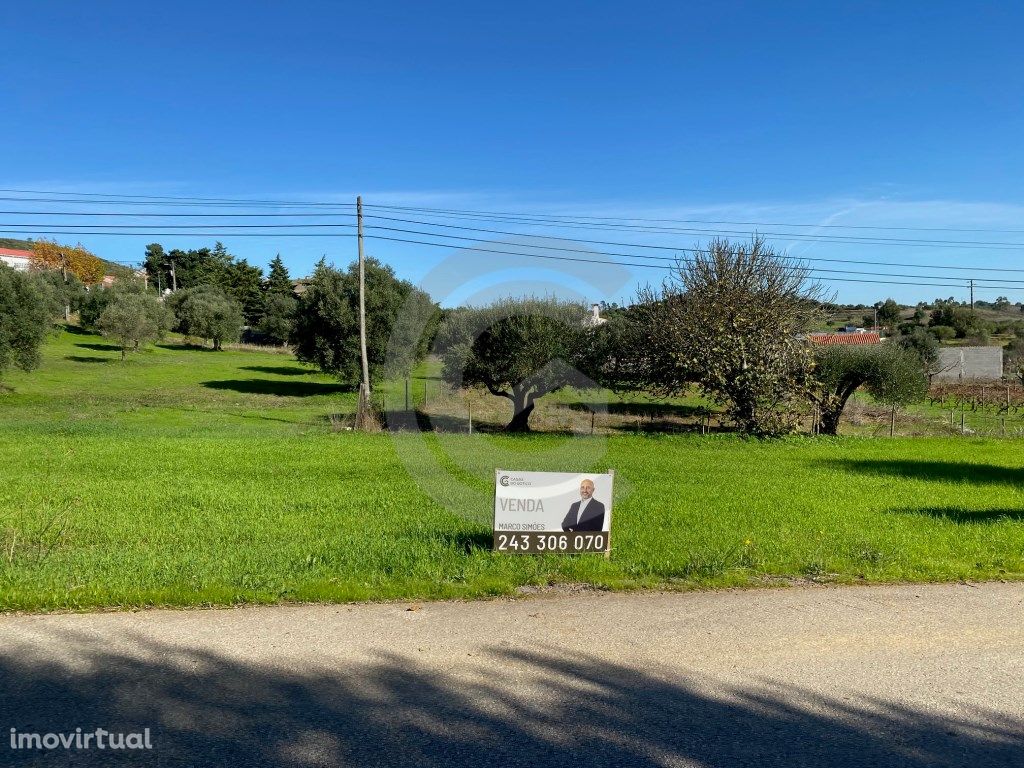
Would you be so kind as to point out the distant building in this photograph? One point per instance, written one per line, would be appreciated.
(860, 337)
(966, 363)
(13, 257)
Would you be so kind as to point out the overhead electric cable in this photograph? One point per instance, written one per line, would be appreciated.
(698, 221)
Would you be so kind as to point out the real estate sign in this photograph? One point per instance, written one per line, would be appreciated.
(552, 512)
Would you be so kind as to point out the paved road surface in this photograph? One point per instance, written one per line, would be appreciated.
(864, 676)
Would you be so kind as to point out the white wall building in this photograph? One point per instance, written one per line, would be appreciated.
(12, 257)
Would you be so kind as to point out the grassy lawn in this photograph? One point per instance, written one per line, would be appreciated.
(190, 477)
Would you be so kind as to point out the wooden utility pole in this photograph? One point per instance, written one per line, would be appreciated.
(972, 294)
(364, 387)
(64, 274)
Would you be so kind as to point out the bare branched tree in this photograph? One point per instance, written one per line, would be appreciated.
(732, 318)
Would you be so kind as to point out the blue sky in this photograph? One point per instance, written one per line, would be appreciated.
(870, 114)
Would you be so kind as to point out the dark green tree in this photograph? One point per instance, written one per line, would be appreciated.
(925, 345)
(278, 317)
(157, 266)
(963, 320)
(278, 279)
(888, 313)
(244, 283)
(326, 329)
(26, 315)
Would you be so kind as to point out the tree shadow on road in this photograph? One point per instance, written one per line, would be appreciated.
(511, 707)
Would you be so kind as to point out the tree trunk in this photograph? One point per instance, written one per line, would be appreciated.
(833, 411)
(829, 424)
(522, 407)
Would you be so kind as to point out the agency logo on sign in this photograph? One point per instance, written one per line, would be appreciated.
(544, 512)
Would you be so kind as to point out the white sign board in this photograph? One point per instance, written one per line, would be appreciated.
(552, 512)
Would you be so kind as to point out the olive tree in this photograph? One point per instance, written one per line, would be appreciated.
(133, 319)
(206, 312)
(519, 349)
(98, 298)
(892, 374)
(732, 318)
(26, 315)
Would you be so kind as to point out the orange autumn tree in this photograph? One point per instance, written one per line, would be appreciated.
(80, 262)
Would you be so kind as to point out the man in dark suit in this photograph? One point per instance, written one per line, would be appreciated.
(587, 514)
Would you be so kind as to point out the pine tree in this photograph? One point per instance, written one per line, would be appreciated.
(279, 281)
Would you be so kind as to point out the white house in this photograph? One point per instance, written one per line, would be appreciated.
(12, 257)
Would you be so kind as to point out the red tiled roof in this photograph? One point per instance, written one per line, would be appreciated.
(844, 338)
(15, 252)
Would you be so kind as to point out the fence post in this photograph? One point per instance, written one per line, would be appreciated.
(950, 418)
(424, 394)
(962, 429)
(892, 422)
(471, 417)
(593, 417)
(1002, 426)
(406, 393)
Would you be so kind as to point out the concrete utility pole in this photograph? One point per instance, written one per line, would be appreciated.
(362, 297)
(364, 420)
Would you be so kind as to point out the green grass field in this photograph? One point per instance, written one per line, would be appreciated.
(188, 477)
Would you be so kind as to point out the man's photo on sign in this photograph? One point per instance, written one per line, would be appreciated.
(587, 514)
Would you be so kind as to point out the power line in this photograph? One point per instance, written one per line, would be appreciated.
(682, 248)
(827, 279)
(109, 197)
(700, 221)
(171, 215)
(30, 228)
(214, 227)
(835, 239)
(114, 197)
(175, 203)
(589, 252)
